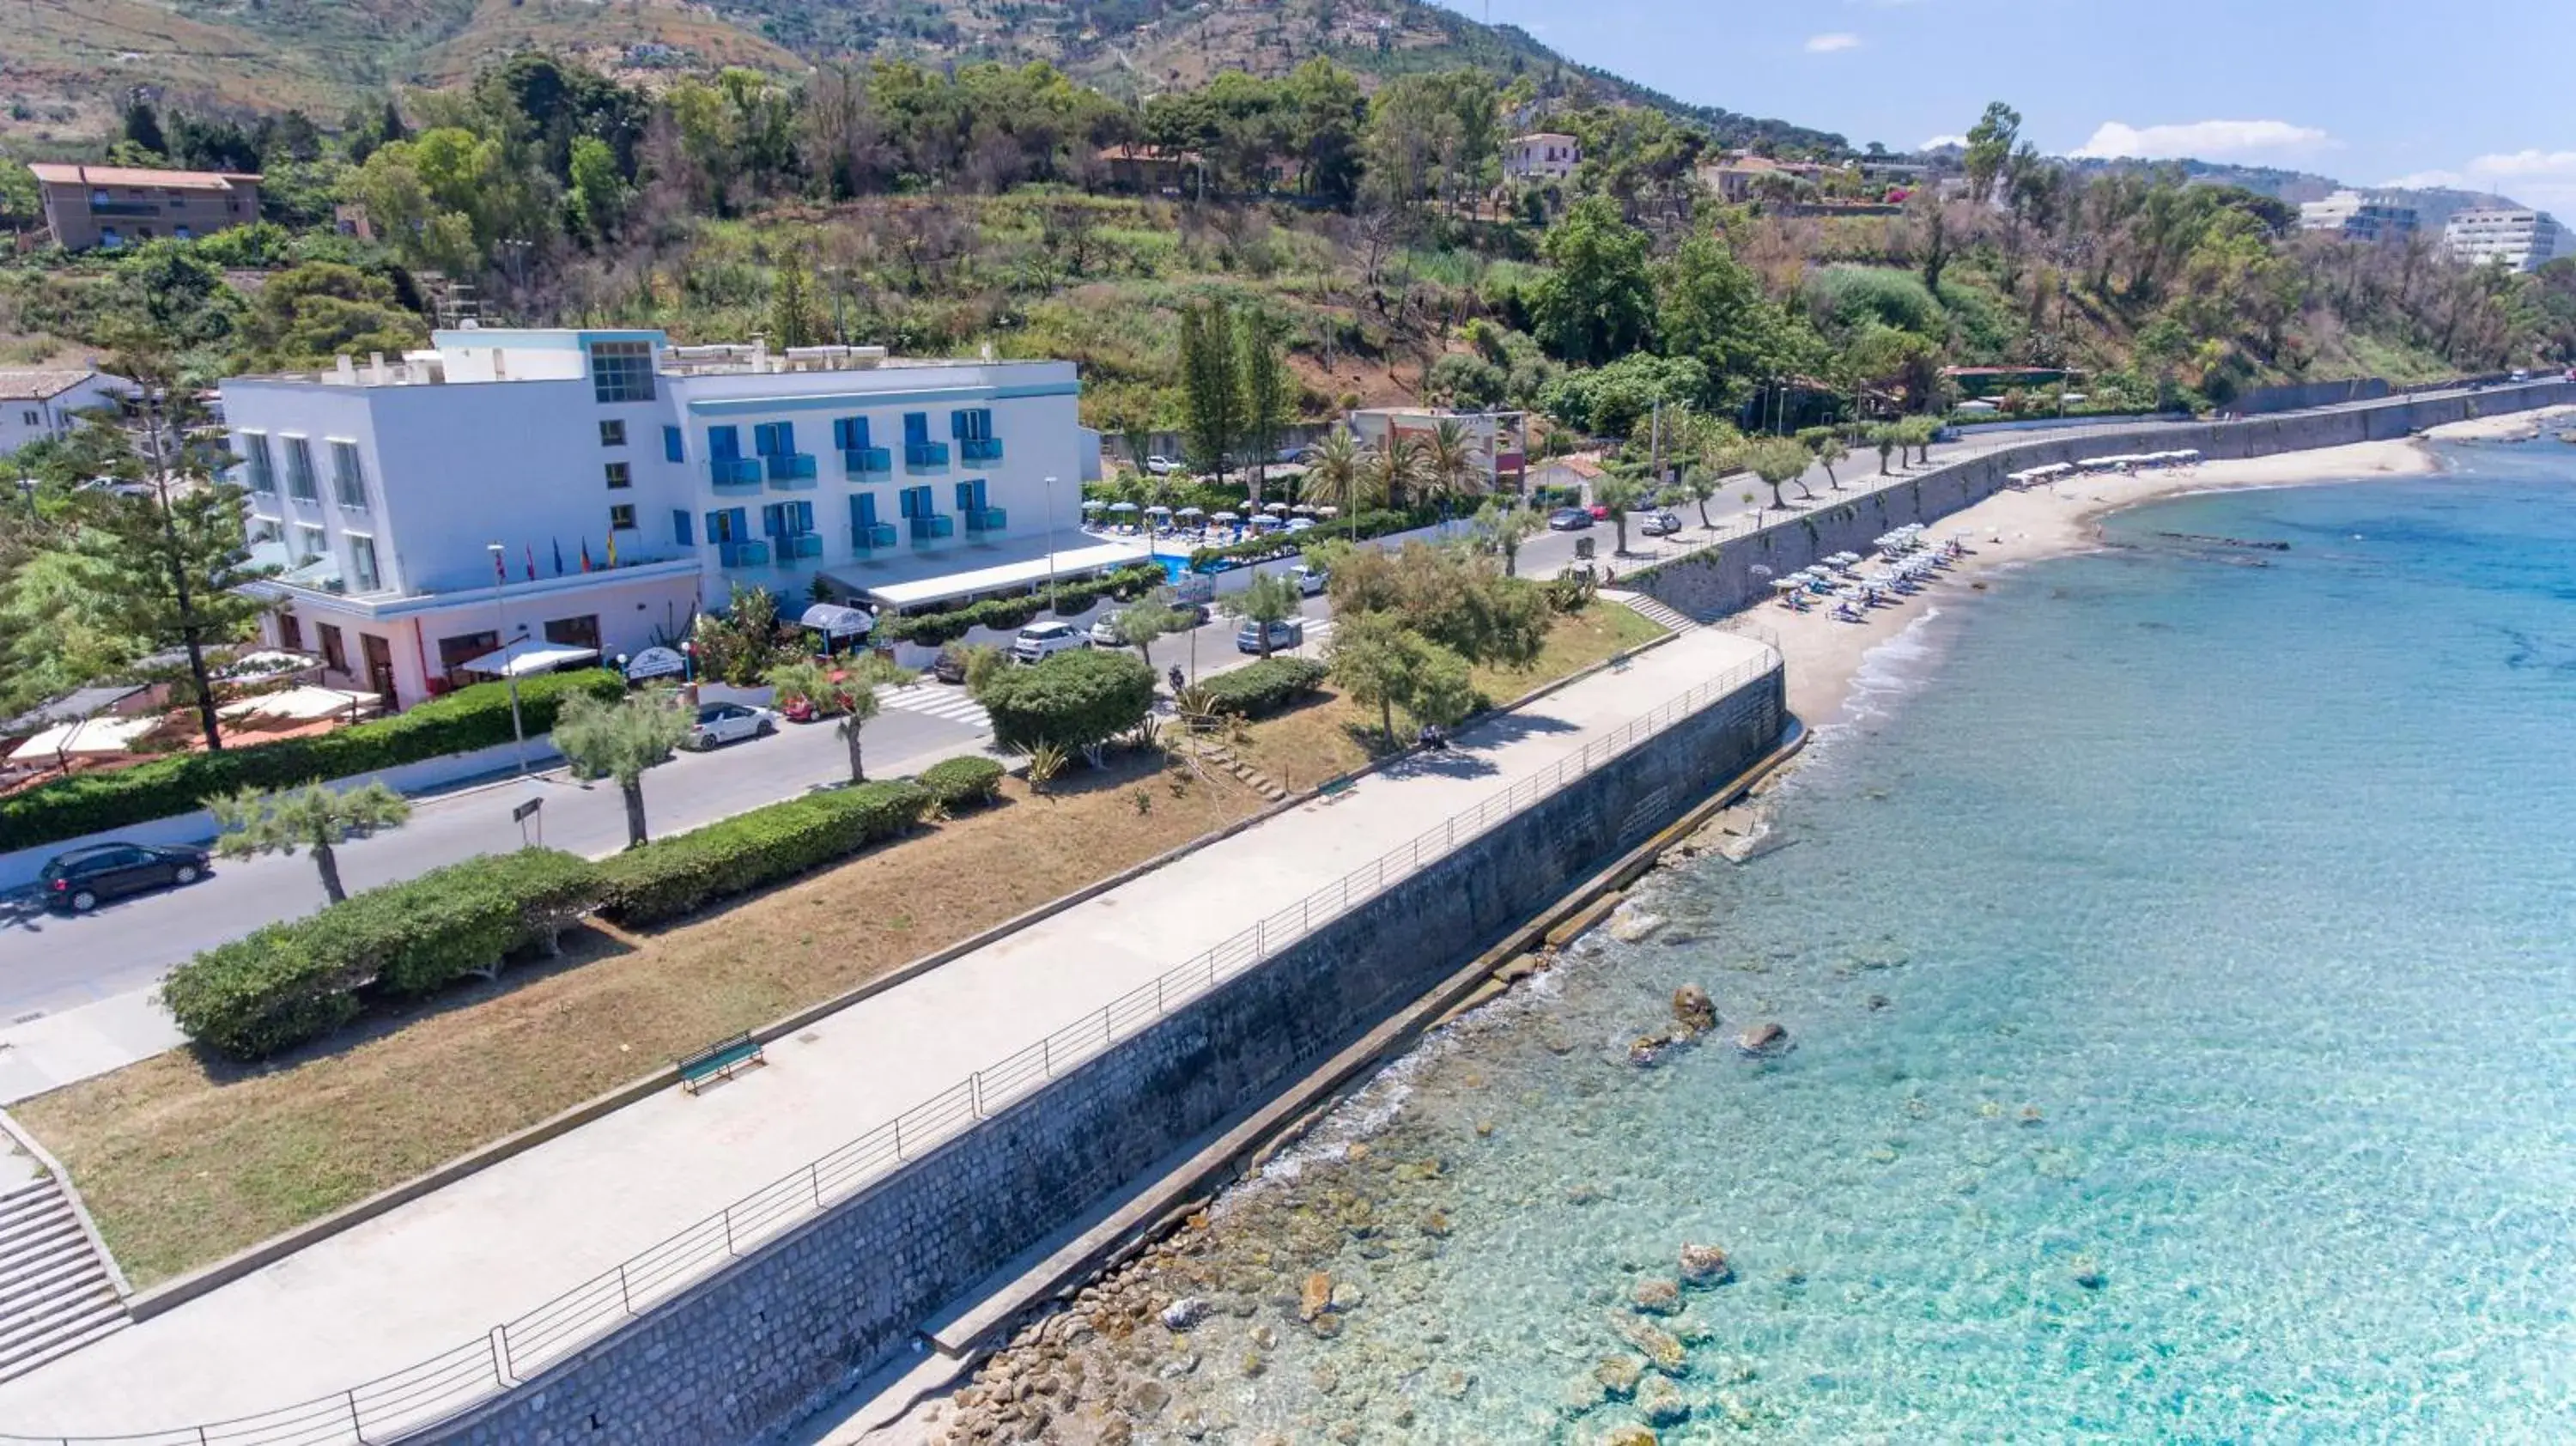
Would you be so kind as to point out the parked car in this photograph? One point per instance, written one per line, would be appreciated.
(949, 666)
(722, 723)
(2520, 375)
(1161, 466)
(1285, 634)
(1039, 641)
(1310, 581)
(83, 878)
(1660, 524)
(1597, 512)
(1568, 519)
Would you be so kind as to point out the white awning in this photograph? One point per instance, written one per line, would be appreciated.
(1072, 562)
(105, 734)
(529, 655)
(835, 621)
(306, 704)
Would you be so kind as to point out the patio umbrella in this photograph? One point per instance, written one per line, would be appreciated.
(1274, 506)
(1328, 512)
(1122, 506)
(1225, 517)
(1303, 509)
(1094, 504)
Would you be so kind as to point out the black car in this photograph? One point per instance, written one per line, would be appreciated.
(84, 878)
(949, 666)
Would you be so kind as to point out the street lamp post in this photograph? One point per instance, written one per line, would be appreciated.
(1050, 506)
(509, 674)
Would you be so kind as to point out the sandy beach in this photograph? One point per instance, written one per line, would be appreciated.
(2011, 528)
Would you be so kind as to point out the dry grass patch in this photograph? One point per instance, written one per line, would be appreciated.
(1330, 735)
(185, 1164)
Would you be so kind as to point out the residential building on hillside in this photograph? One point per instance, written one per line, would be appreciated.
(1501, 439)
(2520, 240)
(630, 483)
(112, 206)
(40, 403)
(2357, 216)
(1738, 176)
(1541, 156)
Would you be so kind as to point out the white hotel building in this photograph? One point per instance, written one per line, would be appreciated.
(2520, 240)
(380, 487)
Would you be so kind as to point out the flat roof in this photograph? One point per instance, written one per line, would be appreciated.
(61, 174)
(922, 592)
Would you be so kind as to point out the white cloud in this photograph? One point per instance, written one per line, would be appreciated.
(2207, 140)
(1937, 142)
(1829, 43)
(2534, 177)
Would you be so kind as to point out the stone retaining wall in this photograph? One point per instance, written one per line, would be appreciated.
(779, 1333)
(1737, 573)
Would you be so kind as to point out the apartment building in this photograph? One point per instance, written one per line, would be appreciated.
(113, 206)
(629, 483)
(1500, 439)
(2357, 216)
(2519, 240)
(37, 403)
(1541, 156)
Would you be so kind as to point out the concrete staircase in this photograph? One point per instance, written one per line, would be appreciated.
(1652, 611)
(56, 1293)
(1258, 782)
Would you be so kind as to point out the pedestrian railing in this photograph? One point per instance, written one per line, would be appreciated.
(389, 1407)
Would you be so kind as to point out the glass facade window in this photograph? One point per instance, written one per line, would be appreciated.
(309, 543)
(621, 371)
(362, 564)
(348, 479)
(299, 470)
(259, 465)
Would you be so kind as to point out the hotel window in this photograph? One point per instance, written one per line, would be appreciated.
(787, 519)
(621, 518)
(674, 445)
(299, 470)
(725, 525)
(32, 419)
(915, 502)
(612, 433)
(309, 543)
(257, 462)
(683, 531)
(335, 649)
(580, 632)
(290, 632)
(348, 479)
(265, 529)
(362, 563)
(620, 476)
(621, 371)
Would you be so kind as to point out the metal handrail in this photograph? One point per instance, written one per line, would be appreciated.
(518, 1350)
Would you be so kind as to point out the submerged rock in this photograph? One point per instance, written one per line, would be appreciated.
(1763, 1040)
(1619, 1375)
(1316, 1297)
(1663, 1349)
(1630, 1435)
(1661, 1403)
(1184, 1313)
(1656, 1297)
(1694, 1010)
(1705, 1265)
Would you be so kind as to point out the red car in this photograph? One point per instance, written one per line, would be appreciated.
(802, 710)
(1600, 514)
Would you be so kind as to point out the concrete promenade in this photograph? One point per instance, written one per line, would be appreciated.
(442, 1271)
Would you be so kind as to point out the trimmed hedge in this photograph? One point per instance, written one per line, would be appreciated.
(679, 875)
(961, 782)
(1376, 522)
(1081, 698)
(467, 719)
(291, 982)
(1258, 688)
(1007, 613)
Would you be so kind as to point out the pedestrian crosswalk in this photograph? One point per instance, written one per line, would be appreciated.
(939, 700)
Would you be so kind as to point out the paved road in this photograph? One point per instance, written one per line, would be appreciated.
(50, 962)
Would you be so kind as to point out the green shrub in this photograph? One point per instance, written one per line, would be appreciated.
(1078, 699)
(1259, 688)
(467, 719)
(962, 782)
(1008, 613)
(1376, 522)
(291, 982)
(678, 875)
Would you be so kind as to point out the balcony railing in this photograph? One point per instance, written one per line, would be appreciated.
(799, 544)
(867, 461)
(925, 456)
(987, 519)
(734, 472)
(932, 528)
(980, 449)
(869, 536)
(743, 554)
(791, 470)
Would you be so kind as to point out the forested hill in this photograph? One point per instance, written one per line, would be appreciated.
(71, 57)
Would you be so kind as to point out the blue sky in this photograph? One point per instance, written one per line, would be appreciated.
(2438, 92)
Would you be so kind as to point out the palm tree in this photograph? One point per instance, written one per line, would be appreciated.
(1448, 461)
(311, 817)
(1618, 494)
(620, 740)
(849, 690)
(1391, 468)
(1333, 474)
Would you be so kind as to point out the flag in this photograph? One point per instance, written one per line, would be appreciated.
(500, 575)
(612, 547)
(532, 561)
(558, 557)
(585, 554)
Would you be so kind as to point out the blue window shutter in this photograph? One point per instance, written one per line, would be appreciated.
(804, 516)
(957, 424)
(673, 447)
(769, 520)
(680, 528)
(965, 496)
(866, 505)
(916, 428)
(735, 523)
(764, 439)
(724, 444)
(786, 440)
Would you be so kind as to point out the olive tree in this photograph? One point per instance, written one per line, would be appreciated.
(312, 817)
(620, 740)
(849, 690)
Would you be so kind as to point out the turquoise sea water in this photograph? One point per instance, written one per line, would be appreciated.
(2180, 948)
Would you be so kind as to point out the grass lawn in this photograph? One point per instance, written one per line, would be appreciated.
(1330, 735)
(185, 1164)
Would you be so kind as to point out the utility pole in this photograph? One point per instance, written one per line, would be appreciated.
(509, 670)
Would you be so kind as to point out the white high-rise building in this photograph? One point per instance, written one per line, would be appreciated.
(2521, 240)
(2359, 217)
(630, 482)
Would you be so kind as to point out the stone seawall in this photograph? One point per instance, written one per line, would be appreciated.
(1737, 573)
(782, 1331)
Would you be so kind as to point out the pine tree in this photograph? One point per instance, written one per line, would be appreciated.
(1211, 384)
(1266, 394)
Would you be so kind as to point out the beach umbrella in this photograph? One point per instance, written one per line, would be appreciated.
(1225, 517)
(1328, 512)
(1303, 509)
(1122, 506)
(1094, 504)
(1274, 506)
(1192, 512)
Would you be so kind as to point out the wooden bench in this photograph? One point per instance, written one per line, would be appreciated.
(1332, 789)
(719, 1061)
